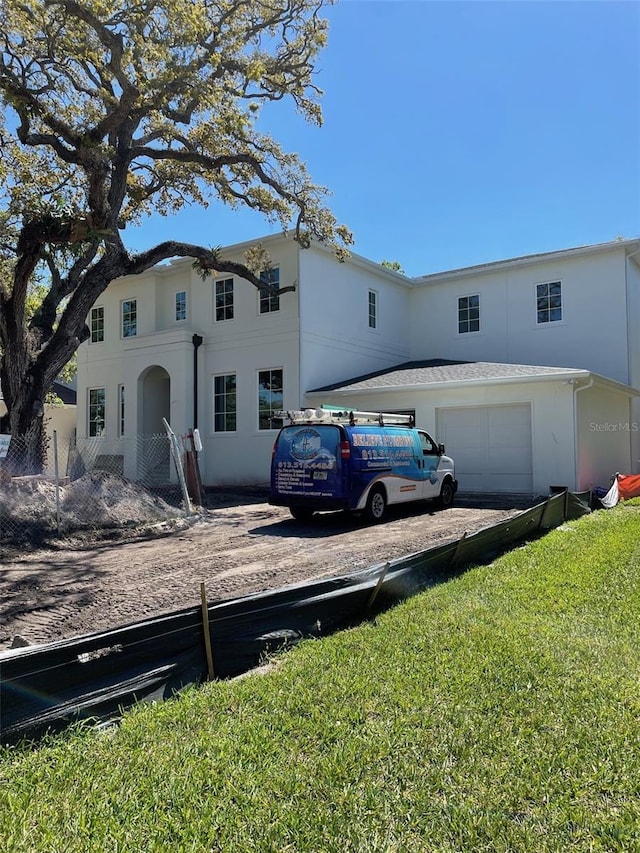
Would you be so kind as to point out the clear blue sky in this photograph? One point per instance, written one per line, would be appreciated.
(462, 132)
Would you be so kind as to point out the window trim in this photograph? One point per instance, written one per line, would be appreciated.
(271, 408)
(225, 413)
(372, 315)
(91, 406)
(225, 307)
(468, 319)
(176, 318)
(269, 298)
(93, 340)
(124, 302)
(549, 322)
(121, 411)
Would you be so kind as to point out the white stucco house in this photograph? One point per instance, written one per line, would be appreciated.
(527, 369)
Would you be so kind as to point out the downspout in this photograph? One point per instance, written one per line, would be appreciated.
(196, 340)
(626, 296)
(576, 390)
(301, 364)
(630, 377)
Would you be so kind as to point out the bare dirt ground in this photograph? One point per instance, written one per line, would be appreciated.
(242, 545)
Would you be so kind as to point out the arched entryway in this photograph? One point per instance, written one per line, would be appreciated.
(154, 397)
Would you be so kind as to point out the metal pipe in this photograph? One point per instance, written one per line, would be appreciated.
(196, 340)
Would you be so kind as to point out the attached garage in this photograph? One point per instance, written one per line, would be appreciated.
(491, 446)
(510, 428)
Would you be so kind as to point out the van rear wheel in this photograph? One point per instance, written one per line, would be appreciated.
(301, 513)
(376, 504)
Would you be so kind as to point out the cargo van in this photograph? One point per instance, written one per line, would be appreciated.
(330, 459)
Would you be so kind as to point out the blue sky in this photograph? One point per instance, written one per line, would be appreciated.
(462, 132)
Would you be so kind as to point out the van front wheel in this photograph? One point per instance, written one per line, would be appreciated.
(446, 495)
(376, 505)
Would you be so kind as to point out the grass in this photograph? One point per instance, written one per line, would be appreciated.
(496, 712)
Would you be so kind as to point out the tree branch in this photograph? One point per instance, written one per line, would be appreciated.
(209, 261)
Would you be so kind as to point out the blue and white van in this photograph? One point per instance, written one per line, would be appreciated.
(360, 461)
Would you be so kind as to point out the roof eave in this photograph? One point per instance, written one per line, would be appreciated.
(569, 376)
(509, 263)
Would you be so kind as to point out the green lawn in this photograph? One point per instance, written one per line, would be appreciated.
(496, 712)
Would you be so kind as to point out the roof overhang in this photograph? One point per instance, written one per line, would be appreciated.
(574, 378)
(629, 246)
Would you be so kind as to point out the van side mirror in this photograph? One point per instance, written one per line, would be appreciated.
(441, 449)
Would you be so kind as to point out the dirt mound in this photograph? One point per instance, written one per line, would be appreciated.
(97, 500)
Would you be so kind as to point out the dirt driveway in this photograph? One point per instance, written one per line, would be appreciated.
(243, 545)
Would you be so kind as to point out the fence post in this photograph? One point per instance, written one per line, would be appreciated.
(175, 452)
(57, 479)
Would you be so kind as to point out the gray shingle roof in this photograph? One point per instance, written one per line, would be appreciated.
(437, 370)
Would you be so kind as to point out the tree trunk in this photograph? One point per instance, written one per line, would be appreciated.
(24, 399)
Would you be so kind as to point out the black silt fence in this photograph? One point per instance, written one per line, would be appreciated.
(44, 688)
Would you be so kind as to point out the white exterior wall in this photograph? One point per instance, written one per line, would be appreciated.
(242, 346)
(592, 334)
(605, 432)
(553, 447)
(245, 345)
(336, 341)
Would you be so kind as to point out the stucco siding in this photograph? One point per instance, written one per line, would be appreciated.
(553, 448)
(336, 341)
(591, 335)
(605, 429)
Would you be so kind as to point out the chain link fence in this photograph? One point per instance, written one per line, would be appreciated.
(89, 485)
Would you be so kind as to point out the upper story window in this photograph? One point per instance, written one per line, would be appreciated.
(224, 299)
(270, 301)
(269, 398)
(181, 305)
(468, 314)
(129, 318)
(96, 324)
(373, 309)
(96, 411)
(549, 302)
(224, 403)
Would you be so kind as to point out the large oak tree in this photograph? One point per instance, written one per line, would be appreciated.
(114, 109)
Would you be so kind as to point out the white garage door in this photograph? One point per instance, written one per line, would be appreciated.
(491, 446)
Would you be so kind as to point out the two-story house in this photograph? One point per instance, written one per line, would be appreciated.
(525, 368)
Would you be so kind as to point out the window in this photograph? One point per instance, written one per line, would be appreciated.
(96, 411)
(96, 324)
(373, 309)
(224, 403)
(270, 301)
(429, 447)
(549, 302)
(224, 299)
(120, 410)
(181, 305)
(129, 318)
(269, 398)
(468, 314)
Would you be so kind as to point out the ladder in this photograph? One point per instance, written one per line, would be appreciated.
(337, 415)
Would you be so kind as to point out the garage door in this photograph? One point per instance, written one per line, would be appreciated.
(491, 446)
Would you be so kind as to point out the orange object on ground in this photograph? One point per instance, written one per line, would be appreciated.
(628, 486)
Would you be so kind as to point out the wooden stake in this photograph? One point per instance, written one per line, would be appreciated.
(381, 577)
(207, 635)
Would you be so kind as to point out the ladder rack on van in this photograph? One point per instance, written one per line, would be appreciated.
(336, 415)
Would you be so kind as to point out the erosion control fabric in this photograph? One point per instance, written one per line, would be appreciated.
(44, 688)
